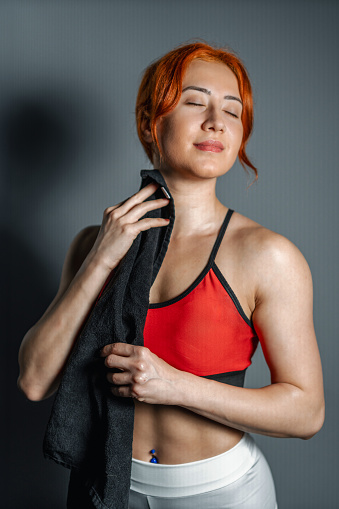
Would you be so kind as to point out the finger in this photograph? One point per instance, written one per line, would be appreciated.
(133, 229)
(151, 222)
(140, 210)
(123, 391)
(117, 361)
(138, 197)
(123, 378)
(127, 378)
(124, 349)
(108, 210)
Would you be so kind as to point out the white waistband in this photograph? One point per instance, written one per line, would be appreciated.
(196, 477)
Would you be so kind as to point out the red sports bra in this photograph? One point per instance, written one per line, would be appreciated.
(204, 330)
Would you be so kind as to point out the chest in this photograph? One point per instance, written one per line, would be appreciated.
(195, 322)
(185, 259)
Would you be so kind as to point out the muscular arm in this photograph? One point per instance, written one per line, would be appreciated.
(92, 256)
(293, 405)
(47, 345)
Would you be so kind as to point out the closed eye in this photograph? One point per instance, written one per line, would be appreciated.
(195, 104)
(232, 114)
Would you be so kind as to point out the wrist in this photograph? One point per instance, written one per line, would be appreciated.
(91, 277)
(96, 265)
(103, 259)
(185, 388)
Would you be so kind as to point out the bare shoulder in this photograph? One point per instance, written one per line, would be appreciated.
(78, 250)
(271, 256)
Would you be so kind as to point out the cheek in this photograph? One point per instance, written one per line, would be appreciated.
(169, 136)
(240, 136)
(236, 133)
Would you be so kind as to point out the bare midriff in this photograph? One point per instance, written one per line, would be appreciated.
(178, 435)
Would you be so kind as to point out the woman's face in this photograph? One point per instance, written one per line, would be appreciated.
(201, 137)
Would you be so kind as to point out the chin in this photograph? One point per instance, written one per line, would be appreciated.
(212, 168)
(200, 169)
(210, 171)
(196, 173)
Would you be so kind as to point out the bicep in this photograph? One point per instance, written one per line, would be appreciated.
(283, 319)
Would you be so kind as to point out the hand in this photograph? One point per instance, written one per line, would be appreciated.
(121, 225)
(144, 376)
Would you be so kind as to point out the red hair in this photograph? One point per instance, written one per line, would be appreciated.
(161, 87)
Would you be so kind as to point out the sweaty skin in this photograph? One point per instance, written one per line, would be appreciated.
(179, 435)
(184, 417)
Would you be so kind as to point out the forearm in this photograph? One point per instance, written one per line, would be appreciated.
(47, 345)
(280, 410)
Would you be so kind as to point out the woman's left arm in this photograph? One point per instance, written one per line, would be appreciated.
(292, 406)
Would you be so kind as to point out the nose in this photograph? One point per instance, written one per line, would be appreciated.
(214, 120)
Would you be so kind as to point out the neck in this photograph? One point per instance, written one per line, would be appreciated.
(197, 209)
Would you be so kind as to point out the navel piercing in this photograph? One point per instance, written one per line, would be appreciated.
(154, 459)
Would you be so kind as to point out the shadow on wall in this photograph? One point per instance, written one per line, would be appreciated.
(32, 482)
(42, 140)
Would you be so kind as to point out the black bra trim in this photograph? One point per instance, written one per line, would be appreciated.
(233, 296)
(220, 237)
(184, 294)
(235, 378)
(201, 276)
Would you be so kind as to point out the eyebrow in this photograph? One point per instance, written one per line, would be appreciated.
(208, 92)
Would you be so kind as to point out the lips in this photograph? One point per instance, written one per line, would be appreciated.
(210, 146)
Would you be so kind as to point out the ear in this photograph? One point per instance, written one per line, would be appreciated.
(146, 131)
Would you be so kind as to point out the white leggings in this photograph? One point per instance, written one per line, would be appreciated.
(237, 479)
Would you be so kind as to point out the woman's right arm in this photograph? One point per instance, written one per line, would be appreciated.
(93, 254)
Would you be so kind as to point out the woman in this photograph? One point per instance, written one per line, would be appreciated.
(225, 283)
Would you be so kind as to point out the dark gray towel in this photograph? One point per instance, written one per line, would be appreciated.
(90, 430)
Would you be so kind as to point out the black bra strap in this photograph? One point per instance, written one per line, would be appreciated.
(220, 236)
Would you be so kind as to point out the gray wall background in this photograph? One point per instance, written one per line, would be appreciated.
(68, 81)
